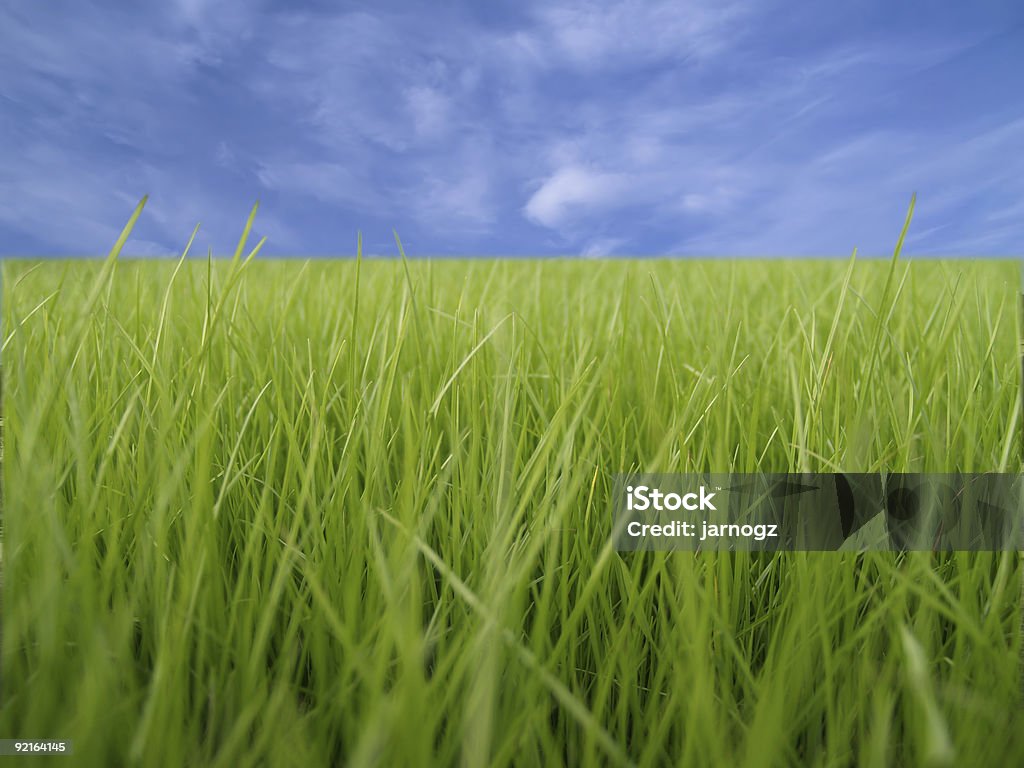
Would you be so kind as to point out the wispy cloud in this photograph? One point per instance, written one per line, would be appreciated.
(606, 36)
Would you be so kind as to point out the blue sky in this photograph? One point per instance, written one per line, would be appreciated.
(701, 128)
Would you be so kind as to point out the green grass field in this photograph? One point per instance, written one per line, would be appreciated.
(329, 513)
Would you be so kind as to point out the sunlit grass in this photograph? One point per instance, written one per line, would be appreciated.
(325, 513)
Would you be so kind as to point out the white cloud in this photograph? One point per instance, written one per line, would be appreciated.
(573, 190)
